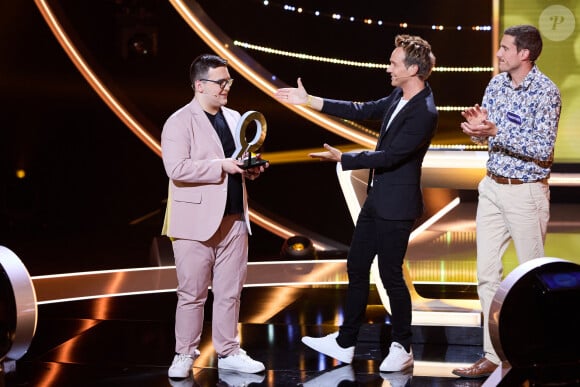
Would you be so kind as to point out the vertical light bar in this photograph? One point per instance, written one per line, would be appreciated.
(495, 34)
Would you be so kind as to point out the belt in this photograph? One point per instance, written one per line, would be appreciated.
(508, 180)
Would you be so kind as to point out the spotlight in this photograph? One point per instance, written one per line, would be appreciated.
(298, 247)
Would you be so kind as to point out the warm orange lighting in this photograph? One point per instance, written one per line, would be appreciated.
(297, 247)
(138, 128)
(20, 173)
(223, 45)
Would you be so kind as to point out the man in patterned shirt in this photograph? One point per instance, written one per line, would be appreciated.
(518, 120)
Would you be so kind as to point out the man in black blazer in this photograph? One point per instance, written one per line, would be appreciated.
(394, 202)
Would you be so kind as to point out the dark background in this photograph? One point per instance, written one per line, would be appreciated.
(93, 193)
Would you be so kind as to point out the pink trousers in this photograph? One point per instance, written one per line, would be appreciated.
(220, 262)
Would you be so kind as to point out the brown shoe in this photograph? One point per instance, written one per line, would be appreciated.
(481, 369)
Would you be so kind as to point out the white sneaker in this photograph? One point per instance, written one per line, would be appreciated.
(239, 379)
(181, 365)
(398, 359)
(332, 378)
(328, 346)
(240, 362)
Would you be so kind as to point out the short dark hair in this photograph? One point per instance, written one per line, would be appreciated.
(527, 37)
(417, 52)
(202, 64)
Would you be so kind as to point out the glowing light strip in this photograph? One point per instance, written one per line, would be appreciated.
(457, 147)
(132, 123)
(447, 160)
(320, 269)
(172, 267)
(214, 37)
(476, 69)
(101, 272)
(310, 283)
(462, 283)
(452, 108)
(97, 296)
(476, 158)
(310, 57)
(337, 16)
(429, 222)
(565, 179)
(346, 62)
(94, 80)
(437, 369)
(447, 318)
(283, 231)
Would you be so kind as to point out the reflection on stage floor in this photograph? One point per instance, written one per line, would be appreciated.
(104, 335)
(129, 341)
(115, 327)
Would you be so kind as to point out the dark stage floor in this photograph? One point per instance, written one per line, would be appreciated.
(115, 327)
(128, 341)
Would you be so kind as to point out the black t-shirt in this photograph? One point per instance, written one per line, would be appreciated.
(234, 203)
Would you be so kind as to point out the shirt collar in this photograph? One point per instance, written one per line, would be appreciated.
(527, 80)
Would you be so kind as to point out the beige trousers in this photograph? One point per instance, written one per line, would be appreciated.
(517, 212)
(220, 262)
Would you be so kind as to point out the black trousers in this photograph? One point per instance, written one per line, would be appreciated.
(387, 239)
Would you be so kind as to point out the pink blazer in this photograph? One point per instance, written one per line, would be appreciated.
(191, 151)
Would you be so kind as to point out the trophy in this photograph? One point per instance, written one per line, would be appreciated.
(244, 148)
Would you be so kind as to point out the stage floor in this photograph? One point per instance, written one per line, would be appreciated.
(128, 341)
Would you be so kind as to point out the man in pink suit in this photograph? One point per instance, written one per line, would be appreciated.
(207, 218)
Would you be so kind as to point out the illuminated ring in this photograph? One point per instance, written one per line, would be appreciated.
(523, 305)
(20, 305)
(242, 145)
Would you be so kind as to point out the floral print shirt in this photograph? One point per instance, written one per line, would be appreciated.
(527, 120)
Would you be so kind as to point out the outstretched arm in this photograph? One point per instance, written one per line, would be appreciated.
(298, 96)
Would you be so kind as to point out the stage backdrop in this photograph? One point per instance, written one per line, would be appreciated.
(558, 21)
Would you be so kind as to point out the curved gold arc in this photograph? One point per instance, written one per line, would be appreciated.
(132, 123)
(93, 80)
(215, 38)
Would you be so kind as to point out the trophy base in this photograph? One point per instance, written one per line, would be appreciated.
(252, 163)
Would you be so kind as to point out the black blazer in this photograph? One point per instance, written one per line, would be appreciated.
(399, 153)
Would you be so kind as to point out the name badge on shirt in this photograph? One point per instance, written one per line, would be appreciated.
(513, 117)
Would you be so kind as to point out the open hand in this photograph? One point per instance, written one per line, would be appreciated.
(293, 95)
(331, 154)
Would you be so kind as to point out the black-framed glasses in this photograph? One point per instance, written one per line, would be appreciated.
(223, 83)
